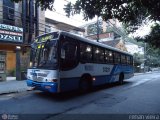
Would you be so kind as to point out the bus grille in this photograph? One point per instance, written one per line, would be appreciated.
(37, 79)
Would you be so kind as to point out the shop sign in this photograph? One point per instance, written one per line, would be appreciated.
(10, 33)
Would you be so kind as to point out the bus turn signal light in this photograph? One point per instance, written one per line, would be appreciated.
(54, 80)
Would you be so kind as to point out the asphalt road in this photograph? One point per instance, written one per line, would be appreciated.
(137, 96)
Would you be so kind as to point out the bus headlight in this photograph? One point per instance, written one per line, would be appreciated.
(30, 64)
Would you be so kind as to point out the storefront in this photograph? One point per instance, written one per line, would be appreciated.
(10, 38)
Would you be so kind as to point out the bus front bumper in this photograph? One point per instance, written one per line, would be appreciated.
(43, 86)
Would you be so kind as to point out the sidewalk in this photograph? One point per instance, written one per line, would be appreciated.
(13, 86)
(142, 73)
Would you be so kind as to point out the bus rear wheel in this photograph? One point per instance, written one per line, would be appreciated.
(121, 78)
(85, 84)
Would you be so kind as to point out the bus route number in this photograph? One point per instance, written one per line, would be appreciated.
(106, 69)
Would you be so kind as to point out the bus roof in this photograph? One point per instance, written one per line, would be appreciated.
(92, 42)
(72, 35)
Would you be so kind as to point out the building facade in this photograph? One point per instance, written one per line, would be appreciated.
(19, 24)
(118, 43)
(53, 25)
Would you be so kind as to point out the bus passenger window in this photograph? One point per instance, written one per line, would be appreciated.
(108, 56)
(123, 59)
(85, 52)
(131, 60)
(98, 55)
(117, 58)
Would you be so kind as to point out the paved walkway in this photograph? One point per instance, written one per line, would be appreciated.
(13, 86)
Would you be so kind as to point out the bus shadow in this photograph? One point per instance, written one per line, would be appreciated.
(75, 94)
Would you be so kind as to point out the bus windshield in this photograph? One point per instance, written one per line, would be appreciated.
(44, 55)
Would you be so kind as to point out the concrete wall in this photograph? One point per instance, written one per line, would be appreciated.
(41, 22)
(1, 9)
(18, 13)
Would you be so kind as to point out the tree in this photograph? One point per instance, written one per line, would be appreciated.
(152, 56)
(131, 12)
(44, 4)
(153, 38)
(92, 28)
(138, 60)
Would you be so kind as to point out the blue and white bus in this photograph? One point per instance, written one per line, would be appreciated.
(61, 61)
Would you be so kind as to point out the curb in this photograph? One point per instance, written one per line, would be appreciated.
(16, 91)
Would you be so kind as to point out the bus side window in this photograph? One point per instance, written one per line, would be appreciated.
(68, 54)
(128, 60)
(124, 59)
(131, 60)
(85, 52)
(117, 58)
(98, 55)
(108, 56)
(68, 51)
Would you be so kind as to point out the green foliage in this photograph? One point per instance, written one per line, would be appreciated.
(138, 59)
(92, 28)
(152, 56)
(67, 9)
(153, 38)
(131, 12)
(44, 4)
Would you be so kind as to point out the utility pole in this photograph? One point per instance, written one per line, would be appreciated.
(145, 57)
(18, 64)
(97, 29)
(36, 19)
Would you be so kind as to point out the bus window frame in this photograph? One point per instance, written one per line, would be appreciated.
(94, 48)
(83, 61)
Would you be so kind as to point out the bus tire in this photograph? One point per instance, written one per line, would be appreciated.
(121, 78)
(85, 84)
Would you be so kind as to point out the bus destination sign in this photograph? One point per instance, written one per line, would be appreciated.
(44, 38)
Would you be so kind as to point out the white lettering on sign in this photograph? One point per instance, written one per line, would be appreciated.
(11, 38)
(11, 33)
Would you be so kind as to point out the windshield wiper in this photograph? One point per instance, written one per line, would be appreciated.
(42, 62)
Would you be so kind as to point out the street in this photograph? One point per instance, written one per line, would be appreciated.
(138, 95)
